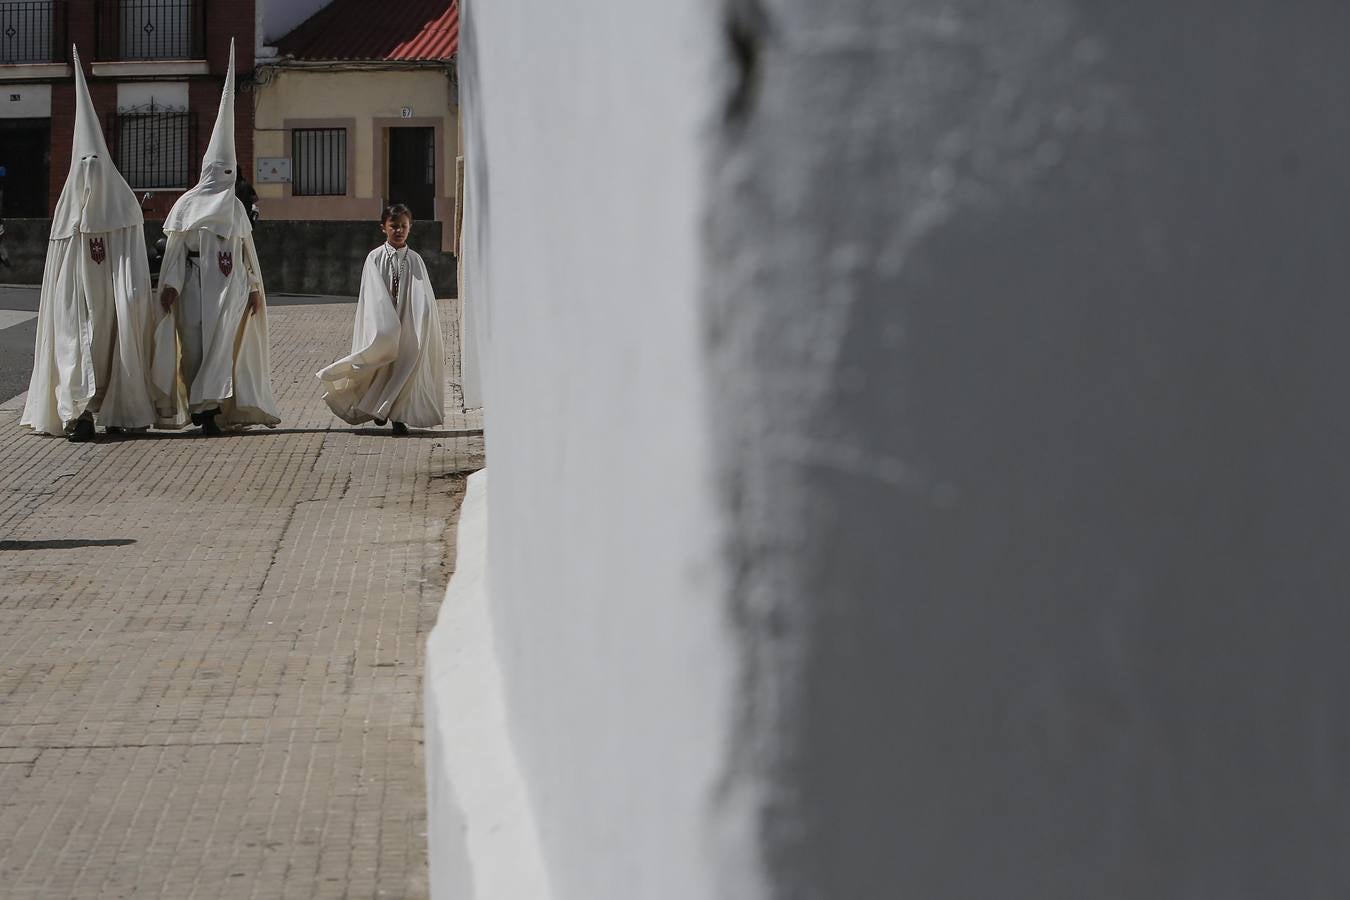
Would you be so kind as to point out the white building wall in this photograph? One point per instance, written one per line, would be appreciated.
(27, 101)
(1018, 332)
(606, 586)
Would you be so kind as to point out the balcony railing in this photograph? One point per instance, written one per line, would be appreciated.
(32, 31)
(150, 29)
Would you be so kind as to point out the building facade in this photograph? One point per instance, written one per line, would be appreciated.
(355, 112)
(155, 71)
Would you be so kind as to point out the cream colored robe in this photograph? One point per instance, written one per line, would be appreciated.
(396, 370)
(94, 335)
(224, 356)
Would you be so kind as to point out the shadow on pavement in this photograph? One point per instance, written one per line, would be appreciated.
(65, 544)
(192, 434)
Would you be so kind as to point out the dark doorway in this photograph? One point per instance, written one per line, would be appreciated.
(26, 156)
(412, 170)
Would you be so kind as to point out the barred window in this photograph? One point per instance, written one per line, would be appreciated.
(318, 162)
(31, 31)
(153, 146)
(150, 29)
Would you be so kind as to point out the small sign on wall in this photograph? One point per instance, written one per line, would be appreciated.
(26, 101)
(406, 112)
(272, 170)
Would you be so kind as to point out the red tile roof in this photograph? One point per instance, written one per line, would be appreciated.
(351, 29)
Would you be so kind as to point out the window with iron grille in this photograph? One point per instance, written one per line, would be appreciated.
(32, 31)
(318, 162)
(153, 146)
(150, 29)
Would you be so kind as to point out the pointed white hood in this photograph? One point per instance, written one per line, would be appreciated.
(212, 203)
(96, 197)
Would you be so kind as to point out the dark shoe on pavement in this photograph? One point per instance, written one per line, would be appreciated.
(209, 426)
(83, 431)
(400, 429)
(116, 429)
(381, 422)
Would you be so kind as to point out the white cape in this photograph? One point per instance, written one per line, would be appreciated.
(95, 309)
(236, 363)
(396, 368)
(211, 350)
(94, 335)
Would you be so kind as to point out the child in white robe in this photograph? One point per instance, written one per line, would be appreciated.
(395, 371)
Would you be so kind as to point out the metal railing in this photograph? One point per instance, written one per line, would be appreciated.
(319, 162)
(154, 146)
(150, 29)
(32, 31)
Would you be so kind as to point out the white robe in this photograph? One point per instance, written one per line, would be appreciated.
(396, 370)
(223, 357)
(94, 335)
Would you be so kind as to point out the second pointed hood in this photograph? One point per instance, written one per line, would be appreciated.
(96, 198)
(212, 203)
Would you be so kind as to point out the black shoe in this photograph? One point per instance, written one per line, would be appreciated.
(209, 426)
(83, 431)
(381, 422)
(400, 429)
(116, 429)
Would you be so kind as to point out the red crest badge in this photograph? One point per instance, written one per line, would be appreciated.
(225, 261)
(97, 252)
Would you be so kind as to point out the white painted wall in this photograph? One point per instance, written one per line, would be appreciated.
(480, 824)
(985, 365)
(170, 94)
(26, 101)
(606, 586)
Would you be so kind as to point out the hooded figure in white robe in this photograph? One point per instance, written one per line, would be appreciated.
(396, 368)
(95, 310)
(211, 277)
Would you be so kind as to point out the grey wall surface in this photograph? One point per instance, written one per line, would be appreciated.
(313, 257)
(1030, 321)
(326, 257)
(25, 242)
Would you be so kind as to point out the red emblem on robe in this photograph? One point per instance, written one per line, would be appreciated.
(226, 263)
(97, 252)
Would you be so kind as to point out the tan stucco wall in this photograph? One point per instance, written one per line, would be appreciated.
(367, 103)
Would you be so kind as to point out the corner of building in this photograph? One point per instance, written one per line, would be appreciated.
(480, 828)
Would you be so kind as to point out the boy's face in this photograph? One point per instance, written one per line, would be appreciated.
(396, 230)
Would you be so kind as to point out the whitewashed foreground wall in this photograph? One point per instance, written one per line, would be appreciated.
(584, 236)
(917, 444)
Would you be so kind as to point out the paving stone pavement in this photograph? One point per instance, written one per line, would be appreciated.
(211, 649)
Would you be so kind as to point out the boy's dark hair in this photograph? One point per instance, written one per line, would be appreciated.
(393, 211)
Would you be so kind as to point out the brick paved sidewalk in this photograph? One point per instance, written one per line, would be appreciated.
(211, 649)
